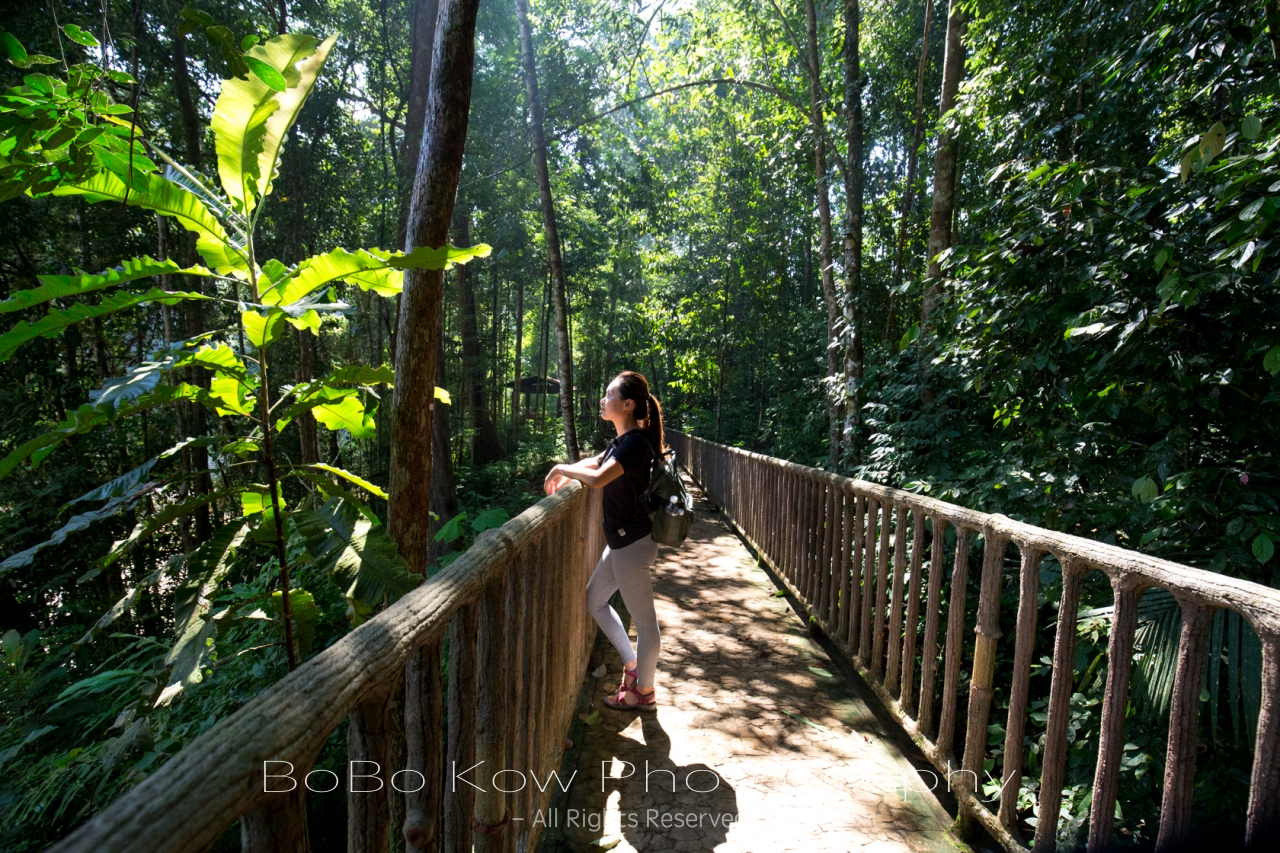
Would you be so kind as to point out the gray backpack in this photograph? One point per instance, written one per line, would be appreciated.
(669, 503)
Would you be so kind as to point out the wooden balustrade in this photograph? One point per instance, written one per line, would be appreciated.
(514, 602)
(827, 538)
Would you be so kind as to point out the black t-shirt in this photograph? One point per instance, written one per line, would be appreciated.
(626, 517)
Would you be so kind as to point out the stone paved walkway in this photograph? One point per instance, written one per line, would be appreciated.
(751, 750)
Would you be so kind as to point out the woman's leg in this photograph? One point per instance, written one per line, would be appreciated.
(631, 573)
(599, 588)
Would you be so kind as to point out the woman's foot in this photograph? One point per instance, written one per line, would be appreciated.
(630, 697)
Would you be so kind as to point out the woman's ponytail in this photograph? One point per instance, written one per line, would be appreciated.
(633, 386)
(653, 424)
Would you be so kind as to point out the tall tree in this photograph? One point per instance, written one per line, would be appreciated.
(565, 357)
(484, 444)
(944, 163)
(817, 126)
(854, 184)
(909, 187)
(418, 329)
(197, 419)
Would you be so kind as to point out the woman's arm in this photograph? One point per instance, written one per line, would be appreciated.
(593, 476)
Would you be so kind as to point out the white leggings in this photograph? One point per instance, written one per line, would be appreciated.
(627, 569)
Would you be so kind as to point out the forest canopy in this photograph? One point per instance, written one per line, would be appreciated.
(1011, 254)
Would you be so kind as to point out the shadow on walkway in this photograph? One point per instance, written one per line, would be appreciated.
(760, 743)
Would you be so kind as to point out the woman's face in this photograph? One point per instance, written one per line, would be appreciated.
(612, 406)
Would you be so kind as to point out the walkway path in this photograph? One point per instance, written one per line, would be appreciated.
(765, 751)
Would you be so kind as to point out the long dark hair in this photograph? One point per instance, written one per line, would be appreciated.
(633, 386)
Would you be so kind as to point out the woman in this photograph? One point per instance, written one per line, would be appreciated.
(623, 472)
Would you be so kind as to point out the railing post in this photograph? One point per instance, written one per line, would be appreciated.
(459, 797)
(491, 814)
(854, 633)
(894, 670)
(955, 637)
(981, 681)
(847, 536)
(882, 593)
(279, 825)
(907, 693)
(1054, 764)
(1106, 778)
(1184, 719)
(368, 753)
(424, 736)
(868, 581)
(830, 560)
(933, 604)
(1263, 823)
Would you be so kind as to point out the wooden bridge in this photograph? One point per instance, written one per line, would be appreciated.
(867, 565)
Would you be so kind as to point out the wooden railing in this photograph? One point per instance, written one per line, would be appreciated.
(512, 603)
(819, 533)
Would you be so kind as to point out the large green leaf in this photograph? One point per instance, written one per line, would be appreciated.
(349, 414)
(359, 554)
(167, 198)
(58, 319)
(375, 269)
(58, 286)
(305, 613)
(250, 119)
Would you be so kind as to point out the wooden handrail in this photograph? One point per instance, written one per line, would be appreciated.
(515, 598)
(818, 531)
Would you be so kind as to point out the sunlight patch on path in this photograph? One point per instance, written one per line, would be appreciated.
(750, 750)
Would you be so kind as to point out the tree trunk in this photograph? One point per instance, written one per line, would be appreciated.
(854, 187)
(824, 237)
(484, 446)
(516, 368)
(944, 164)
(1273, 27)
(909, 189)
(308, 434)
(421, 39)
(434, 187)
(444, 498)
(565, 362)
(193, 311)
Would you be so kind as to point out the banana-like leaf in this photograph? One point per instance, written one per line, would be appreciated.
(250, 119)
(163, 196)
(57, 286)
(57, 320)
(138, 381)
(125, 482)
(206, 566)
(161, 519)
(374, 269)
(1230, 652)
(359, 554)
(350, 478)
(118, 609)
(75, 524)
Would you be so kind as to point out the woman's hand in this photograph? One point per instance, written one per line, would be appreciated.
(554, 481)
